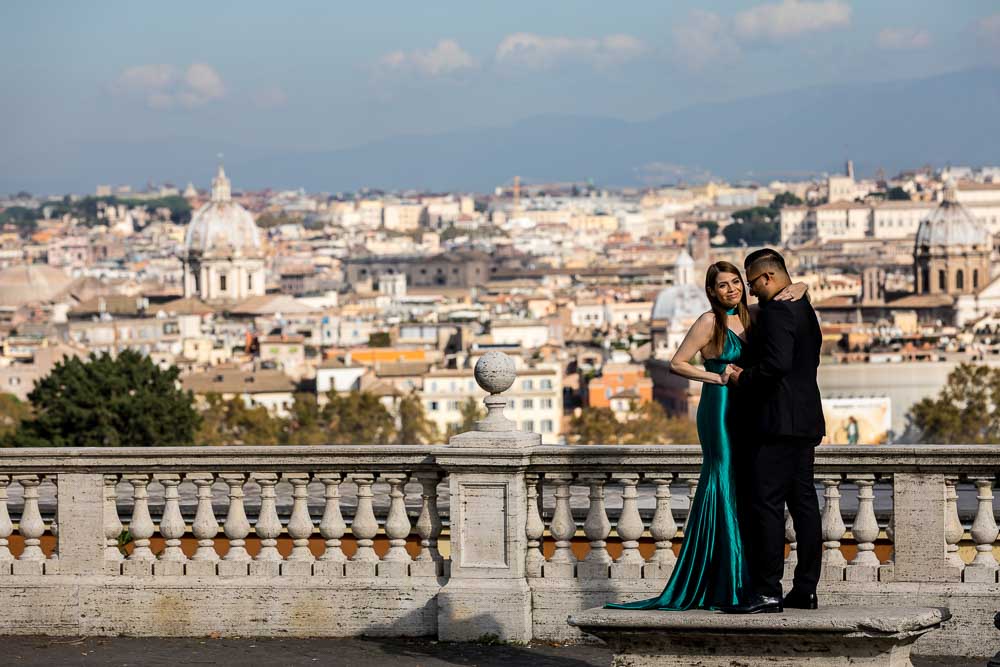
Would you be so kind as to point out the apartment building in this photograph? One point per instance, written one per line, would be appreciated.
(534, 402)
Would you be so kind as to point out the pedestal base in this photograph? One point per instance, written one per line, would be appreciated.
(796, 638)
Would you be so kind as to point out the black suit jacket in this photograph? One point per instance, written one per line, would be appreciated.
(778, 397)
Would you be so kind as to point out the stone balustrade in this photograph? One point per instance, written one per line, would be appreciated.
(542, 530)
(493, 534)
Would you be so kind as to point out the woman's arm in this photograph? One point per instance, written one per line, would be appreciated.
(696, 339)
(793, 292)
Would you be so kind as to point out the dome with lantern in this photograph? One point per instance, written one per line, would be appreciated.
(952, 252)
(950, 225)
(223, 257)
(222, 226)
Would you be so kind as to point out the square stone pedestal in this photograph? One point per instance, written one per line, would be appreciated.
(797, 638)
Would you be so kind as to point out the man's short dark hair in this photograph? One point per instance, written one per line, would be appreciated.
(764, 252)
(767, 264)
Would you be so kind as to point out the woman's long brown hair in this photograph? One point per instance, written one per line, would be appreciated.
(721, 316)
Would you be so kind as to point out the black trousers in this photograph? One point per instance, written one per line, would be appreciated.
(771, 475)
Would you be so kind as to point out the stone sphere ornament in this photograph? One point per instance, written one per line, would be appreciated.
(495, 372)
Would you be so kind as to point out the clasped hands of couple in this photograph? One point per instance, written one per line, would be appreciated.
(731, 374)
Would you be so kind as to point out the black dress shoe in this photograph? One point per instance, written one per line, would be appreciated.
(797, 600)
(758, 604)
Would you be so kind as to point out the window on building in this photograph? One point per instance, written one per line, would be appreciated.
(527, 385)
(511, 404)
(528, 403)
(975, 278)
(250, 282)
(432, 405)
(546, 384)
(528, 425)
(546, 403)
(222, 283)
(942, 281)
(960, 280)
(546, 426)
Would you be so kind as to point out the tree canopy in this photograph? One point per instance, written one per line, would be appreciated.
(107, 401)
(471, 411)
(897, 194)
(13, 411)
(646, 424)
(965, 411)
(786, 199)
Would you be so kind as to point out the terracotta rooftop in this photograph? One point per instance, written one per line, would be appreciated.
(234, 381)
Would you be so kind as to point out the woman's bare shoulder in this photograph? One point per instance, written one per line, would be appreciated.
(705, 319)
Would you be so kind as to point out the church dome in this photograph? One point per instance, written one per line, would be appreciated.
(222, 226)
(31, 283)
(951, 225)
(680, 302)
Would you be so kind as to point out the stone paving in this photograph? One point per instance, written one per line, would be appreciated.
(368, 652)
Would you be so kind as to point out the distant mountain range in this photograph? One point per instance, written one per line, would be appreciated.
(952, 118)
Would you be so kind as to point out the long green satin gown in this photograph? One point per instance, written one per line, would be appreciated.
(711, 571)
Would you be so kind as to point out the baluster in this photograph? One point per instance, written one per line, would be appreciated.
(629, 529)
(397, 529)
(300, 525)
(172, 528)
(331, 527)
(983, 567)
(428, 562)
(112, 524)
(267, 528)
(6, 528)
(664, 527)
(864, 567)
(54, 526)
(793, 553)
(236, 528)
(886, 571)
(953, 530)
(205, 526)
(534, 529)
(692, 484)
(596, 527)
(31, 526)
(563, 528)
(365, 528)
(834, 563)
(140, 529)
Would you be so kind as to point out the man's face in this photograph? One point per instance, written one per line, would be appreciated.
(761, 284)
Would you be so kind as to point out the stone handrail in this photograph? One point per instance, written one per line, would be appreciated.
(515, 564)
(122, 460)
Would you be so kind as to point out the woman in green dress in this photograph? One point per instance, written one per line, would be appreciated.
(711, 570)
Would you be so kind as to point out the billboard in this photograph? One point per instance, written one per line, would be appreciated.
(865, 420)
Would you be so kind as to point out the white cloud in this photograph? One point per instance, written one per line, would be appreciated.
(704, 40)
(903, 39)
(789, 19)
(445, 59)
(271, 97)
(165, 86)
(707, 38)
(525, 49)
(988, 29)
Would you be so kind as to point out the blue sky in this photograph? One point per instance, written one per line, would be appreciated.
(324, 75)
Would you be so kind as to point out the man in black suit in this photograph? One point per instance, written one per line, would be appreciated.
(781, 419)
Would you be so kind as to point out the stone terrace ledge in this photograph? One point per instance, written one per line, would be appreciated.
(823, 638)
(338, 541)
